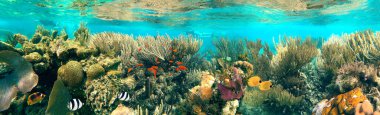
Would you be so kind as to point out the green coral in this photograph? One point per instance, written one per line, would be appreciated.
(229, 49)
(260, 61)
(335, 53)
(274, 100)
(292, 55)
(71, 74)
(94, 71)
(82, 34)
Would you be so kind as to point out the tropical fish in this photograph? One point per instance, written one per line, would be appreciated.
(124, 96)
(153, 69)
(254, 81)
(174, 50)
(266, 85)
(139, 65)
(129, 70)
(171, 61)
(74, 104)
(36, 97)
(179, 63)
(181, 68)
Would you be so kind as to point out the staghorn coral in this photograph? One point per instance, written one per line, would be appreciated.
(292, 55)
(102, 93)
(82, 34)
(261, 61)
(275, 100)
(186, 45)
(71, 74)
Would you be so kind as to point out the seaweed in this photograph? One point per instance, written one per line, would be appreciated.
(365, 45)
(335, 53)
(261, 61)
(292, 55)
(229, 50)
(82, 34)
(276, 100)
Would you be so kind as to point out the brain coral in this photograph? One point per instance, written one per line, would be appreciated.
(71, 74)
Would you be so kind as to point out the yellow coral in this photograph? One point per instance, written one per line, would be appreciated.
(344, 103)
(205, 93)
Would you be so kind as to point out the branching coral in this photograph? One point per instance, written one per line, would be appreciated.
(227, 48)
(113, 43)
(261, 61)
(82, 34)
(153, 48)
(365, 45)
(291, 55)
(335, 53)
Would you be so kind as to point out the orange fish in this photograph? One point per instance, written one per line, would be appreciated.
(155, 67)
(171, 61)
(181, 68)
(179, 63)
(174, 50)
(36, 97)
(254, 81)
(129, 70)
(139, 49)
(266, 85)
(139, 65)
(154, 71)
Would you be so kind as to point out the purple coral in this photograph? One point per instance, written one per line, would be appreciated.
(235, 89)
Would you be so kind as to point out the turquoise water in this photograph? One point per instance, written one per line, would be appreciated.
(207, 20)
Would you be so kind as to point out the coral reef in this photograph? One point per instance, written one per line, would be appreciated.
(82, 34)
(341, 104)
(71, 74)
(227, 48)
(102, 94)
(275, 100)
(292, 55)
(94, 71)
(260, 61)
(17, 75)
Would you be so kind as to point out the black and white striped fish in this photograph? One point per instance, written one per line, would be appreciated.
(74, 104)
(124, 96)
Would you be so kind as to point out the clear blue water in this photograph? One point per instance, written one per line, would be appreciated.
(206, 19)
(242, 20)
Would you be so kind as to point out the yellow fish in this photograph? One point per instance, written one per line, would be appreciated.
(36, 97)
(266, 85)
(254, 81)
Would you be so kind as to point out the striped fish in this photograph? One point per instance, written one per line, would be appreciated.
(124, 96)
(74, 104)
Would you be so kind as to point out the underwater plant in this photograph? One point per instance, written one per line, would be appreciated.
(261, 61)
(113, 43)
(82, 34)
(229, 50)
(336, 53)
(365, 45)
(292, 55)
(275, 100)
